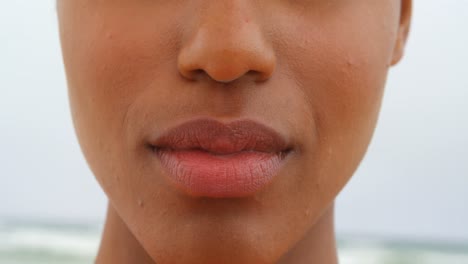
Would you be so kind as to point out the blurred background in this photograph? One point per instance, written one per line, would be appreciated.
(407, 203)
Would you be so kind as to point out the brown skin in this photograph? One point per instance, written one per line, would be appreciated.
(314, 70)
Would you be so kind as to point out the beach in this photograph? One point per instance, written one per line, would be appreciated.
(35, 242)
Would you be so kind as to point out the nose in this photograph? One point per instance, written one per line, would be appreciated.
(226, 44)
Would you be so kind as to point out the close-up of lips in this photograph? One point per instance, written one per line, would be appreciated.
(233, 132)
(208, 158)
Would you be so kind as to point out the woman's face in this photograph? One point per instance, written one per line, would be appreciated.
(312, 70)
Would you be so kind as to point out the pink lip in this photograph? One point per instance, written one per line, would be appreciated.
(205, 157)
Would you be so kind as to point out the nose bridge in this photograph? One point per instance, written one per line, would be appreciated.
(227, 18)
(226, 44)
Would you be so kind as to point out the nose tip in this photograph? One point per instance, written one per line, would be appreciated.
(225, 66)
(225, 55)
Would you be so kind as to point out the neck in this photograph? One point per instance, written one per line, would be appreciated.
(318, 244)
(119, 245)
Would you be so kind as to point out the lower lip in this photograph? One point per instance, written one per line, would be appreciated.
(200, 173)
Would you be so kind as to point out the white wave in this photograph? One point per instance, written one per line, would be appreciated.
(53, 241)
(83, 243)
(375, 253)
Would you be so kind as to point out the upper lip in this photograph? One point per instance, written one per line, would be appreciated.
(221, 138)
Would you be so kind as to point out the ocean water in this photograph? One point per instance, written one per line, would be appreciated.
(43, 243)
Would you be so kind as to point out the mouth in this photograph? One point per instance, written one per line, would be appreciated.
(208, 158)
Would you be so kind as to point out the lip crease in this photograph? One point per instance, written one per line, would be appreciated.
(208, 158)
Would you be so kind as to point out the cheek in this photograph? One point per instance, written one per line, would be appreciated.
(108, 63)
(340, 75)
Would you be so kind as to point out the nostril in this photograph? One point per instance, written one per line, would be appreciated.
(188, 66)
(192, 75)
(197, 74)
(225, 76)
(260, 76)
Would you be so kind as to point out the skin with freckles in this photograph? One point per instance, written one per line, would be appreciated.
(313, 70)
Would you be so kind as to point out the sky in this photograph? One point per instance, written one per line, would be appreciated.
(413, 182)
